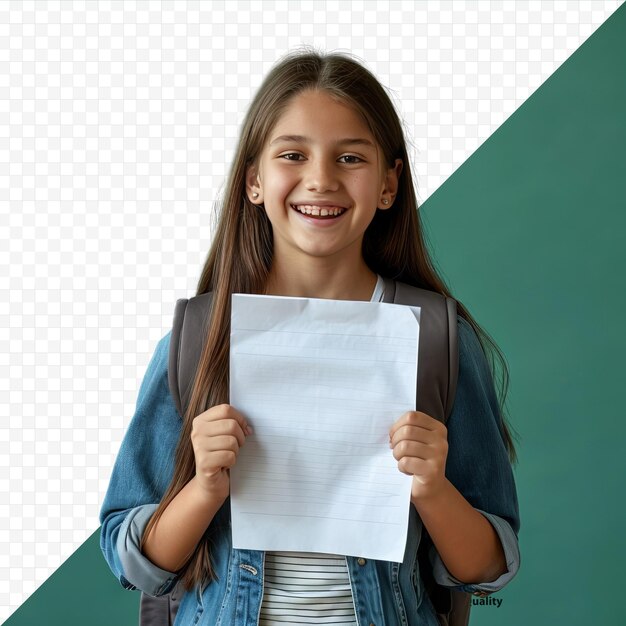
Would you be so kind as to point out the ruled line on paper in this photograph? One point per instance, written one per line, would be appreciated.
(361, 521)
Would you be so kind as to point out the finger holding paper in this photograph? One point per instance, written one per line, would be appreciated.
(420, 445)
(217, 435)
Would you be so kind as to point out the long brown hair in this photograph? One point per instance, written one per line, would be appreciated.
(240, 256)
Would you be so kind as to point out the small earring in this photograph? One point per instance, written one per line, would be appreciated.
(255, 195)
(385, 201)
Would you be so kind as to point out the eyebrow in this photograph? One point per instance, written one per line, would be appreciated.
(358, 141)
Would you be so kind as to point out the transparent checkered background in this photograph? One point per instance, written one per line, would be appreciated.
(118, 123)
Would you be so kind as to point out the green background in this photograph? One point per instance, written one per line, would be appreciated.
(529, 234)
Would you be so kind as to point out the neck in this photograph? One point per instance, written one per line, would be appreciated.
(321, 278)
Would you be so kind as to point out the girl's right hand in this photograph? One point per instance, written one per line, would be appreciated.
(216, 436)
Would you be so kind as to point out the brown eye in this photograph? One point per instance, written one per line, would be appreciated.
(351, 156)
(289, 154)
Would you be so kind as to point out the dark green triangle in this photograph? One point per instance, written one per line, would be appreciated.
(82, 592)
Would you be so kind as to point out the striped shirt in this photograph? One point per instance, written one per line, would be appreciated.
(308, 588)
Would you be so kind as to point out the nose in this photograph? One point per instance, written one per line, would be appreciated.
(321, 176)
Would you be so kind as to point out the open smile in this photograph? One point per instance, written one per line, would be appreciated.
(315, 213)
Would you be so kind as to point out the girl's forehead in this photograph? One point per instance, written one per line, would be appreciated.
(317, 105)
(316, 113)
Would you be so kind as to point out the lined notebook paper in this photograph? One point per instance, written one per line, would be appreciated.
(321, 382)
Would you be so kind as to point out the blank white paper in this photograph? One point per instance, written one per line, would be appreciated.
(321, 383)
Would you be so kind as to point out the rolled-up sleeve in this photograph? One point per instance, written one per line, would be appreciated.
(142, 472)
(478, 464)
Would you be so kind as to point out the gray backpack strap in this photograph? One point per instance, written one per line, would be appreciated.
(186, 342)
(438, 368)
(438, 356)
(172, 364)
(159, 611)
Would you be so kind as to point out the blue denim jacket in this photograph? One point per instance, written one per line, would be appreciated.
(385, 593)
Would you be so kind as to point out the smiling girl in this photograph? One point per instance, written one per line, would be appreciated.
(321, 178)
(319, 204)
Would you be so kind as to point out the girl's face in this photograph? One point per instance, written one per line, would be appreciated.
(321, 152)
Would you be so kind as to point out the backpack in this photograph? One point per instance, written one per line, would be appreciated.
(438, 360)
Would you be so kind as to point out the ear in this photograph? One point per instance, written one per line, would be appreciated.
(390, 188)
(253, 185)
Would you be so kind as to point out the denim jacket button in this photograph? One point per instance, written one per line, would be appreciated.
(361, 561)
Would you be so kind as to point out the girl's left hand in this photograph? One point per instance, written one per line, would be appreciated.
(420, 445)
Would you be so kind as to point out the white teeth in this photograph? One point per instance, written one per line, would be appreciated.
(310, 209)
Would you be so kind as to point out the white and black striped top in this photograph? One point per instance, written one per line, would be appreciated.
(308, 588)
